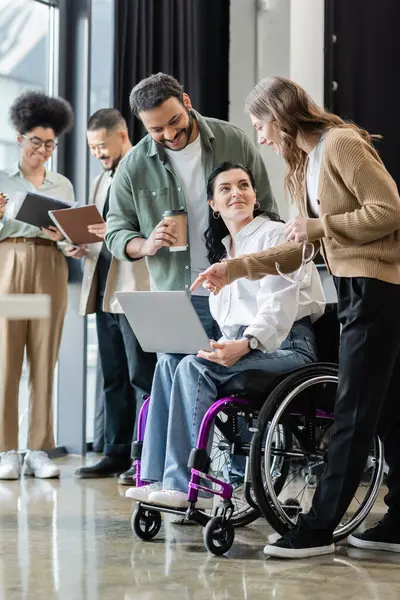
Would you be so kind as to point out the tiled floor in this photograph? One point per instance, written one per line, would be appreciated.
(72, 540)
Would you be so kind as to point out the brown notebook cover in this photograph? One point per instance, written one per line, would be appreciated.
(73, 223)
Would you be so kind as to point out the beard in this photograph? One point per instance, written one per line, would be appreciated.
(114, 163)
(187, 131)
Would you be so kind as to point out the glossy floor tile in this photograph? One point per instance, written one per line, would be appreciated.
(71, 539)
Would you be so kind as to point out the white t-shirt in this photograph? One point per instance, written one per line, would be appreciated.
(188, 167)
(313, 172)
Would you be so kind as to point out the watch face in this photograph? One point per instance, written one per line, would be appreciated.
(253, 343)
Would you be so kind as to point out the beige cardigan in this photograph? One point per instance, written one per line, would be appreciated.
(358, 231)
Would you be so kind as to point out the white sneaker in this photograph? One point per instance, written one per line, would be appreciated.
(38, 464)
(10, 465)
(141, 494)
(175, 499)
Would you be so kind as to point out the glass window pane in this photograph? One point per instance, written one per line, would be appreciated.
(24, 62)
(101, 96)
(24, 65)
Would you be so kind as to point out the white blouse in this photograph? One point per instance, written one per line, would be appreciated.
(313, 172)
(270, 306)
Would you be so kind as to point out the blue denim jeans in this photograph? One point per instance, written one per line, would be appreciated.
(202, 308)
(185, 387)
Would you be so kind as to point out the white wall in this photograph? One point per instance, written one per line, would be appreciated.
(307, 46)
(285, 39)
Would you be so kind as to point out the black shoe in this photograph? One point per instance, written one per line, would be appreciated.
(127, 477)
(108, 466)
(301, 543)
(384, 536)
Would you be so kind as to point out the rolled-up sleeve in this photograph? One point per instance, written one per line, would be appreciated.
(122, 219)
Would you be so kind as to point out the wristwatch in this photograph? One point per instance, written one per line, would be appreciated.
(253, 341)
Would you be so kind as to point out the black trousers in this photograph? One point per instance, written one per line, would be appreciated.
(98, 437)
(128, 375)
(368, 399)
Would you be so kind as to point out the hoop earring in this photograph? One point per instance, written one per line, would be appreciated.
(257, 205)
(216, 214)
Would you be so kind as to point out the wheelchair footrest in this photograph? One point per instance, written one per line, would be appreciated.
(199, 460)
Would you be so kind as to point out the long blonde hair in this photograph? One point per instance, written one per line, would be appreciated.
(296, 113)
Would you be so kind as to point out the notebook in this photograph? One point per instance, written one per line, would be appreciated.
(33, 208)
(73, 223)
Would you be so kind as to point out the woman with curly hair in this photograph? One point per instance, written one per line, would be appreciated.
(31, 263)
(349, 208)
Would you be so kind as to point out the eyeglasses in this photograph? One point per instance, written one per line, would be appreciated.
(308, 253)
(37, 142)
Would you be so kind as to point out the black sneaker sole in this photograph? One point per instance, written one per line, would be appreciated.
(370, 545)
(278, 552)
(96, 475)
(131, 482)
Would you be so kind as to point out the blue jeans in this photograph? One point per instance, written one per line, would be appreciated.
(202, 308)
(185, 387)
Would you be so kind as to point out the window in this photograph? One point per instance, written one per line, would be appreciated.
(26, 61)
(28, 47)
(101, 96)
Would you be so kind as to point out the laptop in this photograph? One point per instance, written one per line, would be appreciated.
(164, 322)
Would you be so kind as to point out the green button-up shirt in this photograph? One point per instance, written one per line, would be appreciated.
(145, 185)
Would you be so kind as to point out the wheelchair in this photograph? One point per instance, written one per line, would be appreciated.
(281, 430)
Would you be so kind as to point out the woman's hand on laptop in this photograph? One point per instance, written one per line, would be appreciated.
(213, 279)
(227, 353)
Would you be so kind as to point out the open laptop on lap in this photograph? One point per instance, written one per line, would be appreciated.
(164, 322)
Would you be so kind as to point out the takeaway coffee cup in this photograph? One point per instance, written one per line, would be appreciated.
(180, 219)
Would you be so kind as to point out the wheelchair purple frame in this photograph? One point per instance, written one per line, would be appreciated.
(226, 490)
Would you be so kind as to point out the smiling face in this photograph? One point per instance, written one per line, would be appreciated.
(107, 146)
(268, 132)
(234, 197)
(37, 146)
(171, 124)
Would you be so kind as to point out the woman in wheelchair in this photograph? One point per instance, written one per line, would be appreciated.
(349, 208)
(266, 325)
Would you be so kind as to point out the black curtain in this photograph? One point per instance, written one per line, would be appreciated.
(366, 69)
(185, 38)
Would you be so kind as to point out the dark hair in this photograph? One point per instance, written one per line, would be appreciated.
(106, 118)
(35, 109)
(217, 229)
(154, 91)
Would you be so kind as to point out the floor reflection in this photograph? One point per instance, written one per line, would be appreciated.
(71, 539)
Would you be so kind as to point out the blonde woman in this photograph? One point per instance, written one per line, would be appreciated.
(349, 208)
(30, 262)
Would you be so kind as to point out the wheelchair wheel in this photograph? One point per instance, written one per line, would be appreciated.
(229, 461)
(303, 404)
(146, 523)
(218, 535)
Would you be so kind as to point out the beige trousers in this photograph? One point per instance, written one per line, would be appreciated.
(27, 268)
